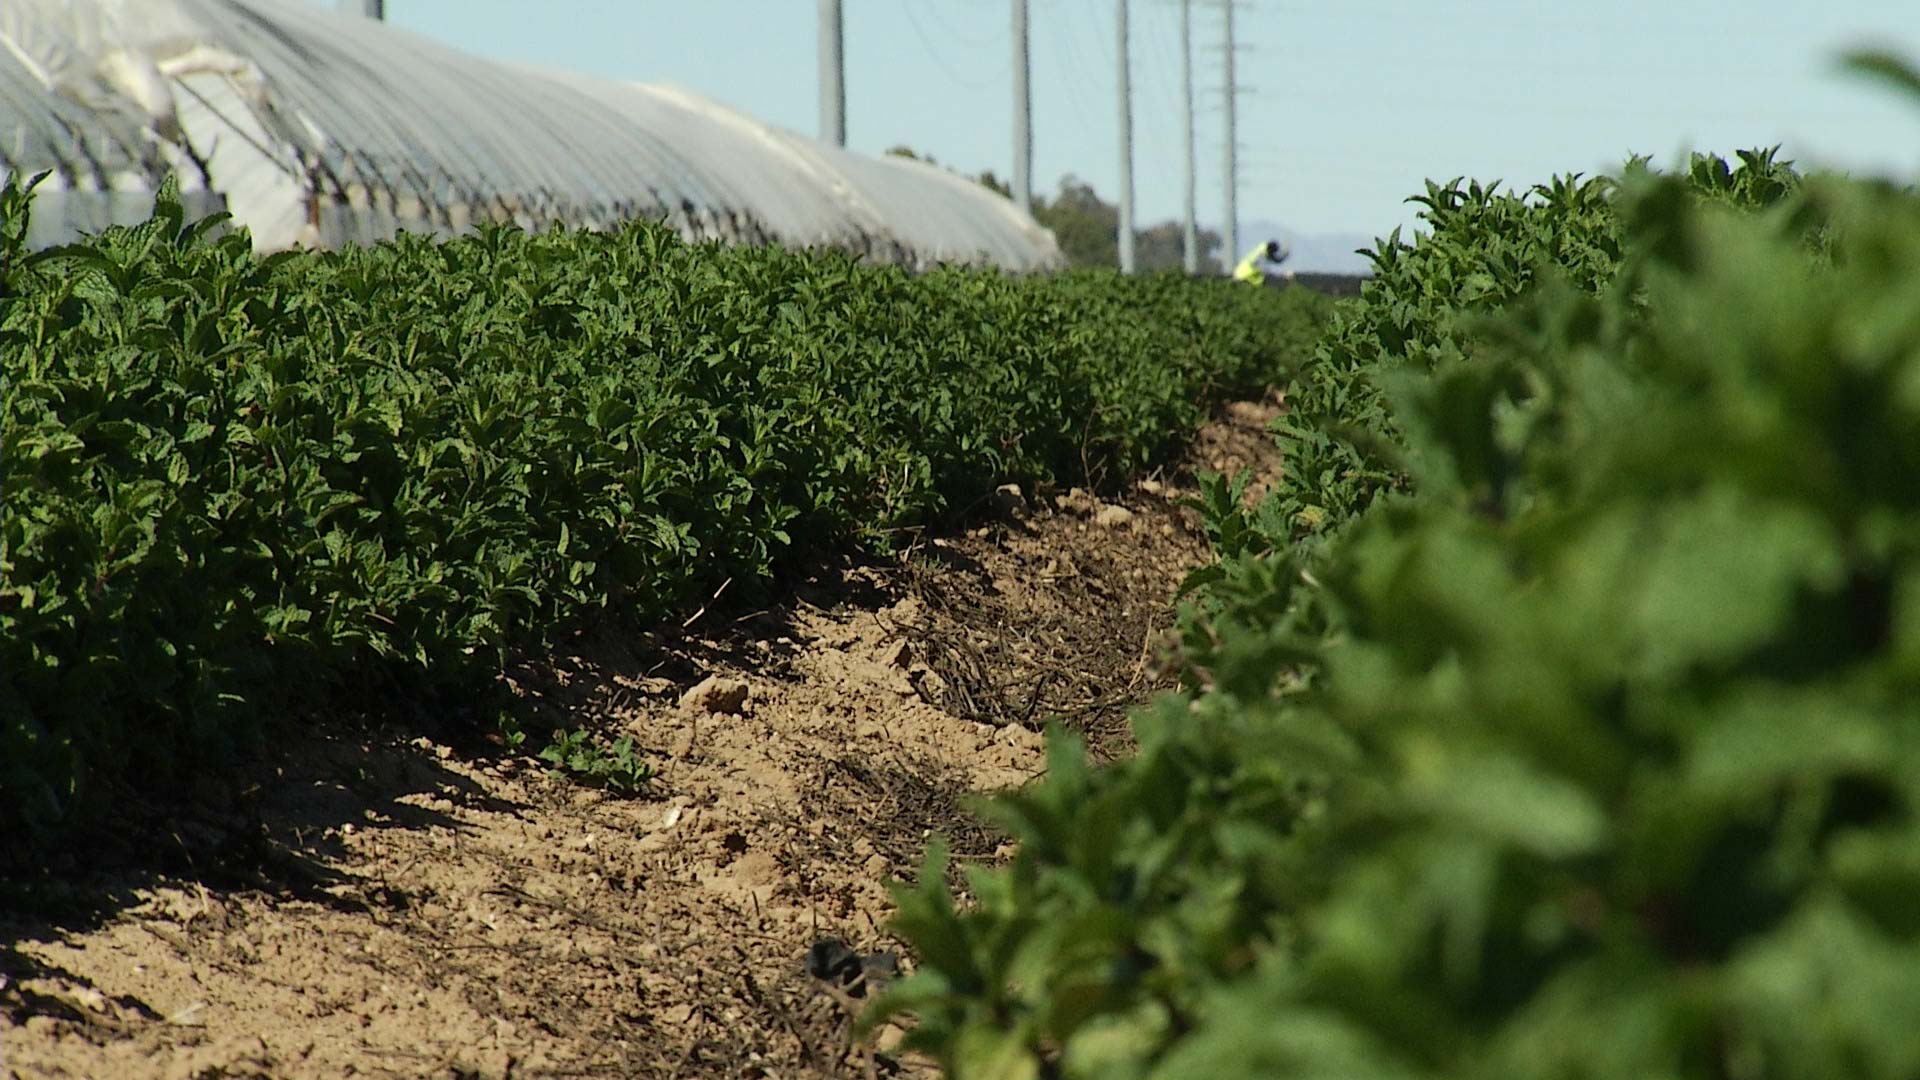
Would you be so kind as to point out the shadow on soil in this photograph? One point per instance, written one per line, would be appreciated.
(273, 826)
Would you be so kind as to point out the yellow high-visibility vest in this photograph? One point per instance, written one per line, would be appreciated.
(1249, 269)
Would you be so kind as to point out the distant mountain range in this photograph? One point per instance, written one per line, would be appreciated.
(1315, 253)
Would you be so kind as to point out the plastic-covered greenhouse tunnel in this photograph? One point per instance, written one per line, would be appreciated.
(316, 128)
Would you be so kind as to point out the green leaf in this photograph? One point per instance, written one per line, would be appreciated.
(1502, 798)
(1885, 67)
(1722, 573)
(987, 1054)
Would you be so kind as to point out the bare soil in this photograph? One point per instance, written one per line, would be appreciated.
(377, 906)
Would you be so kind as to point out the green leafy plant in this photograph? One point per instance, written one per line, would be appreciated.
(1586, 747)
(1482, 247)
(1427, 306)
(575, 754)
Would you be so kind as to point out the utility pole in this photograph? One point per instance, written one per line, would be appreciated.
(1230, 231)
(372, 9)
(833, 91)
(1189, 235)
(1126, 143)
(1022, 114)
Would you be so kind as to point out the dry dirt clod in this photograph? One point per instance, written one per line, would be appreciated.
(41, 1026)
(716, 694)
(483, 1065)
(1113, 517)
(1076, 500)
(681, 744)
(1008, 499)
(899, 654)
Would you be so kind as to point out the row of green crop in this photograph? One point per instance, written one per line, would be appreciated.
(1484, 247)
(1558, 717)
(229, 480)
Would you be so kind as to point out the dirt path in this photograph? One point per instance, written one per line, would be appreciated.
(389, 908)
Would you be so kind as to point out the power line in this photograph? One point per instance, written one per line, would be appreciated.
(1163, 97)
(939, 60)
(992, 40)
(1082, 109)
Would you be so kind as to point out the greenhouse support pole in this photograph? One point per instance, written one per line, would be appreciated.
(1126, 143)
(1022, 114)
(833, 91)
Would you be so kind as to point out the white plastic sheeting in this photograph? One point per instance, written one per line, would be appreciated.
(75, 101)
(316, 128)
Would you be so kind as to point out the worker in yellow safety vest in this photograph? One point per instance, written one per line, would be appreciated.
(1272, 252)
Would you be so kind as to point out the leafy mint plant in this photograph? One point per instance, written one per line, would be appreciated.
(616, 767)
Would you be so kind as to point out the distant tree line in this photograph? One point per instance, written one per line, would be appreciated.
(1087, 227)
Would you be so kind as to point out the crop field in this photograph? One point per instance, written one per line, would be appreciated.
(256, 509)
(586, 654)
(231, 478)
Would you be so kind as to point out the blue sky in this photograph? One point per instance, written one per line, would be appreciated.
(1352, 103)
